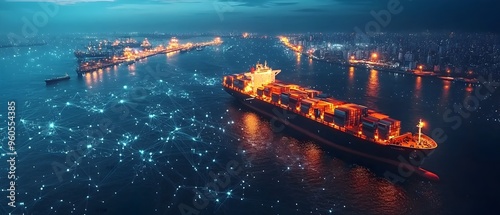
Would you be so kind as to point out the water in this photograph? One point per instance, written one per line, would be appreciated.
(146, 137)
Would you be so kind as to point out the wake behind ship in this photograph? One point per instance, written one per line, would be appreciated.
(344, 126)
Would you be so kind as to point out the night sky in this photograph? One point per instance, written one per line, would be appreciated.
(270, 16)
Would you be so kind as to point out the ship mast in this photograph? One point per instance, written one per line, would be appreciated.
(420, 125)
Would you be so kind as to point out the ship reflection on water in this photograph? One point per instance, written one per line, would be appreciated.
(351, 75)
(445, 93)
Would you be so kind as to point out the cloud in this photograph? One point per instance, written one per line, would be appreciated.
(62, 2)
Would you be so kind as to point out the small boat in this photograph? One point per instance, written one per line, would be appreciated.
(57, 79)
(447, 78)
(199, 48)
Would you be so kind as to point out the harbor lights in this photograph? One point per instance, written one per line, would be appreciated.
(374, 57)
(420, 125)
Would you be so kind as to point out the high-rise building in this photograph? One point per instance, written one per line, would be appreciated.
(429, 59)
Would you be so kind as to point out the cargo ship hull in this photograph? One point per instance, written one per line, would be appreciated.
(333, 138)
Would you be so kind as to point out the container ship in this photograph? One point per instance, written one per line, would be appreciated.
(348, 127)
(57, 79)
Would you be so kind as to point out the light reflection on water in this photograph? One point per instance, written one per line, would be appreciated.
(372, 88)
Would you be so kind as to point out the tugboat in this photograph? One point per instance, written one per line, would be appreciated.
(57, 79)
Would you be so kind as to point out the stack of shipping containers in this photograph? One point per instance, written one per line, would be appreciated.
(347, 115)
(388, 127)
(369, 126)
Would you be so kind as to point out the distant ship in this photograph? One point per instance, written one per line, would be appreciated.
(447, 78)
(338, 124)
(460, 79)
(57, 79)
(93, 54)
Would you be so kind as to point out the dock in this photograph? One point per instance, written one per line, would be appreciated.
(130, 56)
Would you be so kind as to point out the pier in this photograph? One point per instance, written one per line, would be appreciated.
(131, 56)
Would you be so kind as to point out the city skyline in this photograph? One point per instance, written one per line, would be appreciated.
(261, 16)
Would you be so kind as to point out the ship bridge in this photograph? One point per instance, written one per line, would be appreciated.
(261, 75)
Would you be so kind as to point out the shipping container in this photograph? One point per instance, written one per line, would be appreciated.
(369, 120)
(282, 87)
(363, 110)
(267, 91)
(349, 115)
(285, 98)
(293, 102)
(260, 91)
(333, 101)
(238, 83)
(275, 97)
(328, 116)
(324, 106)
(312, 93)
(308, 102)
(340, 120)
(276, 89)
(369, 126)
(300, 93)
(229, 80)
(318, 112)
(305, 109)
(370, 134)
(306, 105)
(389, 127)
(378, 115)
(341, 111)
